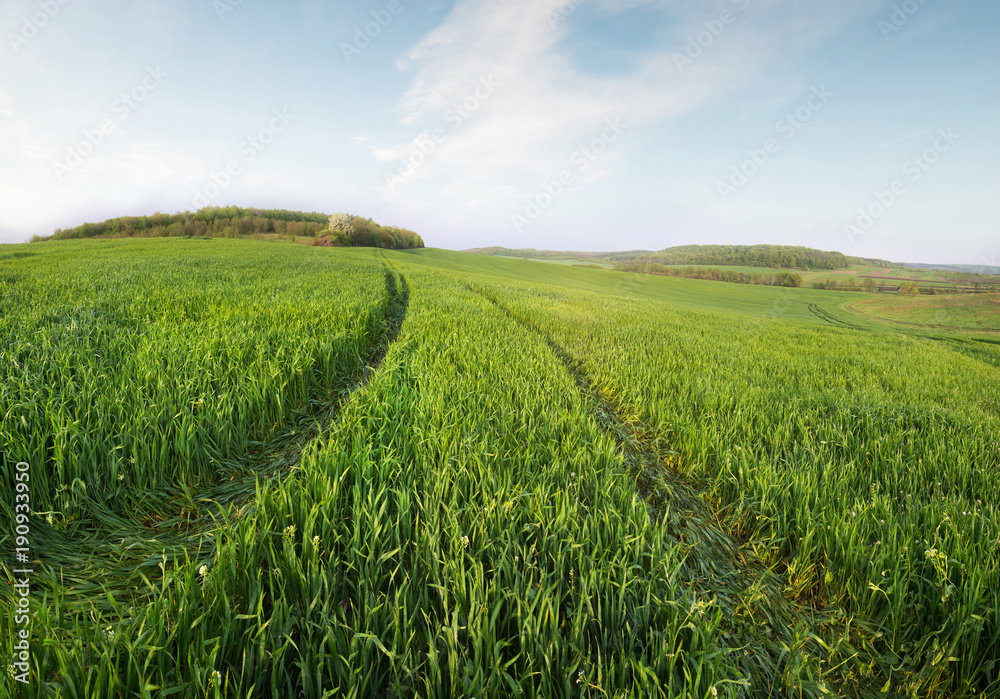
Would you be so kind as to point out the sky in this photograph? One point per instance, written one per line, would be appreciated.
(863, 126)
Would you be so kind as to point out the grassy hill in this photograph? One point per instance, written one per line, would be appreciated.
(265, 469)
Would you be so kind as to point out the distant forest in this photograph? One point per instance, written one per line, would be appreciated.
(778, 256)
(233, 222)
(773, 256)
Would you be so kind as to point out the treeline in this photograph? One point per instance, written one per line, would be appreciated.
(773, 256)
(233, 222)
(219, 222)
(714, 274)
(850, 284)
(909, 288)
(349, 231)
(780, 256)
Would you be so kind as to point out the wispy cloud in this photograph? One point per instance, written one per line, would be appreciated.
(548, 105)
(902, 139)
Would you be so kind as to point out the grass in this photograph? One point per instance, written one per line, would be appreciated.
(748, 300)
(980, 312)
(860, 459)
(573, 262)
(430, 473)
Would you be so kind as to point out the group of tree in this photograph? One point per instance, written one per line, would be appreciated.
(234, 222)
(775, 256)
(849, 284)
(349, 230)
(786, 257)
(219, 222)
(791, 279)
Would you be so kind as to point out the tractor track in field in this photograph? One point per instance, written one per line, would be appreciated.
(192, 533)
(758, 612)
(282, 456)
(832, 319)
(966, 331)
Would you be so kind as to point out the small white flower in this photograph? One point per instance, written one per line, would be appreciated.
(215, 679)
(203, 571)
(316, 541)
(121, 476)
(465, 542)
(109, 634)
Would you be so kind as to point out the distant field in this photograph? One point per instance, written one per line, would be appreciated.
(554, 261)
(884, 276)
(899, 274)
(756, 301)
(963, 311)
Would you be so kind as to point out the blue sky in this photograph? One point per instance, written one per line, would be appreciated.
(861, 126)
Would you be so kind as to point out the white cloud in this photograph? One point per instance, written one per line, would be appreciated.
(546, 106)
(901, 139)
(152, 164)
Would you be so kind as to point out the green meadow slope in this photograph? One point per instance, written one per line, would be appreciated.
(264, 469)
(755, 301)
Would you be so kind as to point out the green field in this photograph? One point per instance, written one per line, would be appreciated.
(887, 276)
(555, 261)
(980, 312)
(264, 469)
(858, 271)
